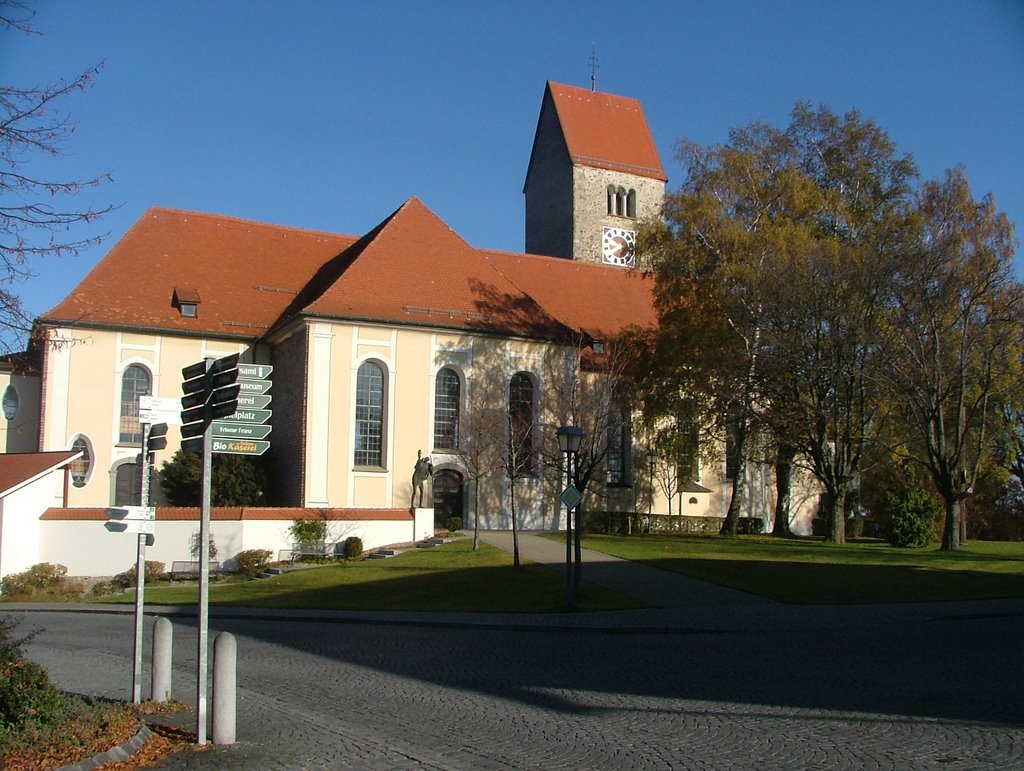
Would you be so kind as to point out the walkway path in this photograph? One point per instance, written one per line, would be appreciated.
(658, 588)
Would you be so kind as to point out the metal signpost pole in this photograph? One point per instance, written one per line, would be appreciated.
(568, 536)
(140, 572)
(204, 587)
(210, 392)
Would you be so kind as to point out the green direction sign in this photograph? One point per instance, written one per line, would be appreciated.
(254, 371)
(252, 402)
(222, 429)
(240, 446)
(248, 416)
(254, 386)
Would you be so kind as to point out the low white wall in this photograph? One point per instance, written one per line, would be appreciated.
(87, 548)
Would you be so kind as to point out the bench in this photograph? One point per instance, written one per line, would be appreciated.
(189, 569)
(300, 550)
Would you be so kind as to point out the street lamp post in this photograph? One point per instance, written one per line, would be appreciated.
(569, 440)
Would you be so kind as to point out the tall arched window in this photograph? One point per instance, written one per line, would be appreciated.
(611, 199)
(520, 419)
(617, 458)
(631, 204)
(369, 431)
(620, 202)
(134, 383)
(447, 404)
(80, 467)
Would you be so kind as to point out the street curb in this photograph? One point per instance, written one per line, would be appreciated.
(117, 754)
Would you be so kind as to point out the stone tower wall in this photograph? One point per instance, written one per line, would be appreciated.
(590, 187)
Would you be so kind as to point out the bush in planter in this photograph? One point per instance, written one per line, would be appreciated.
(43, 575)
(252, 562)
(453, 524)
(353, 547)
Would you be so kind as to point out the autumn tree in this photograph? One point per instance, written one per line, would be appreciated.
(770, 263)
(35, 211)
(955, 326)
(719, 235)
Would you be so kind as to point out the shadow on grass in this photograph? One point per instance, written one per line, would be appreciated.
(809, 583)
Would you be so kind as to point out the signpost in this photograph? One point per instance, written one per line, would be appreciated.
(224, 409)
(141, 520)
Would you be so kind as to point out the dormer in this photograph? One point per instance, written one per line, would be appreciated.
(186, 300)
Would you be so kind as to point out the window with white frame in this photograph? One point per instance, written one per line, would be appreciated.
(369, 427)
(135, 382)
(447, 406)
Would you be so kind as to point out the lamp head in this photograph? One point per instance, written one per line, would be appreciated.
(570, 438)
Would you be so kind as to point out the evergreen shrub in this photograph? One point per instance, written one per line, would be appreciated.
(353, 547)
(913, 517)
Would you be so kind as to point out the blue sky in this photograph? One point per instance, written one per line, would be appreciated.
(328, 115)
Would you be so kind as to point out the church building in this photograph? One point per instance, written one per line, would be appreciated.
(379, 348)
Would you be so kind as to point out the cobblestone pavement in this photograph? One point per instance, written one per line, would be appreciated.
(908, 691)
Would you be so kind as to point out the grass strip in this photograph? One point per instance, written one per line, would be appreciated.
(809, 571)
(449, 578)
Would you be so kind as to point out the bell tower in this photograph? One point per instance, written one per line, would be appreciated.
(593, 173)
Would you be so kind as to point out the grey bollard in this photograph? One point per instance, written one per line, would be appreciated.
(161, 660)
(224, 657)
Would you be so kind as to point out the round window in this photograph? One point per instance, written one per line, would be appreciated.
(10, 402)
(81, 466)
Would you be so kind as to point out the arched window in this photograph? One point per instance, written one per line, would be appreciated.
(631, 204)
(520, 419)
(80, 467)
(611, 199)
(134, 383)
(617, 458)
(127, 485)
(447, 404)
(369, 432)
(620, 202)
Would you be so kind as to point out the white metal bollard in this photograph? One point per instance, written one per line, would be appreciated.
(161, 660)
(225, 654)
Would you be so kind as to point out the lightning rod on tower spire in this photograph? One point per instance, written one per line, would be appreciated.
(593, 67)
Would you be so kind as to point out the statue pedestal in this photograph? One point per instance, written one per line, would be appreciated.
(423, 523)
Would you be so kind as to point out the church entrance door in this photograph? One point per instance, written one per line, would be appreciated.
(448, 487)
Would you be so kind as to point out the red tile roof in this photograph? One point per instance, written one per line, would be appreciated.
(606, 131)
(246, 273)
(18, 468)
(412, 269)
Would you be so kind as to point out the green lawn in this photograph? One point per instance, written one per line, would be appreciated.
(808, 571)
(447, 578)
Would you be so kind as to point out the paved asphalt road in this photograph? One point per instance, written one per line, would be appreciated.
(743, 684)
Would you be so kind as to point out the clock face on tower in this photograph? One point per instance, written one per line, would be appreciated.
(617, 245)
